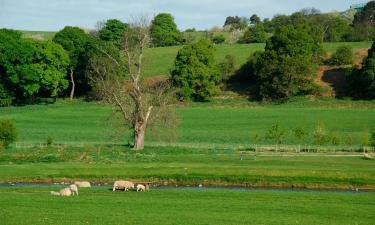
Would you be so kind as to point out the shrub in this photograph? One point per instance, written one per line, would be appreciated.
(343, 56)
(49, 141)
(8, 133)
(335, 140)
(320, 135)
(299, 133)
(218, 39)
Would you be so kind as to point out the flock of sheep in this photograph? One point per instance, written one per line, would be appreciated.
(118, 185)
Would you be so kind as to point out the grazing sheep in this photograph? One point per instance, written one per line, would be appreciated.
(126, 185)
(82, 184)
(141, 188)
(74, 189)
(63, 192)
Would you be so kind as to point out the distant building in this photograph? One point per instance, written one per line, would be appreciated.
(358, 7)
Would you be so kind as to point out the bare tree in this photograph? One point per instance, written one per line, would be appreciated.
(118, 81)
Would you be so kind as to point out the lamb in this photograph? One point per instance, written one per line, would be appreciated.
(123, 185)
(74, 189)
(82, 184)
(63, 192)
(141, 188)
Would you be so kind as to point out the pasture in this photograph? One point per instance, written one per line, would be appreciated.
(225, 124)
(159, 61)
(186, 166)
(183, 206)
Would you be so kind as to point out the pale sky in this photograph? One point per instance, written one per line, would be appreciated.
(53, 15)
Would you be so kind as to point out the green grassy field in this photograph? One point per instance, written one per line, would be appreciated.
(101, 206)
(159, 61)
(229, 123)
(188, 166)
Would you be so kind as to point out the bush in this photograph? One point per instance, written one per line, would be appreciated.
(343, 56)
(49, 141)
(8, 133)
(320, 135)
(220, 39)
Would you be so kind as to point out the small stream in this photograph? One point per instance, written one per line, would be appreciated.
(195, 188)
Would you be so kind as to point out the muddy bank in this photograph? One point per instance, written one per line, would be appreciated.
(165, 184)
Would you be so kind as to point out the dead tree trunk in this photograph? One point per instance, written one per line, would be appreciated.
(73, 84)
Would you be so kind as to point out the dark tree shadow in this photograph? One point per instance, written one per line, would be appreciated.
(338, 79)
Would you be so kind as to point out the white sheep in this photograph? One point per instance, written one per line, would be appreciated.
(74, 189)
(82, 184)
(123, 185)
(141, 188)
(63, 192)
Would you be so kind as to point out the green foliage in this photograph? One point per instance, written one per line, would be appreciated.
(48, 68)
(335, 140)
(164, 31)
(49, 141)
(254, 19)
(343, 56)
(219, 39)
(320, 135)
(288, 65)
(276, 134)
(8, 133)
(235, 23)
(30, 67)
(196, 72)
(364, 23)
(113, 31)
(362, 82)
(299, 133)
(254, 34)
(227, 67)
(372, 138)
(75, 41)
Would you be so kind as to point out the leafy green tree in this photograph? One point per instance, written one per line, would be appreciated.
(31, 67)
(255, 34)
(49, 64)
(287, 66)
(9, 45)
(74, 40)
(8, 133)
(364, 23)
(164, 31)
(236, 23)
(276, 134)
(254, 19)
(113, 31)
(196, 71)
(363, 80)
